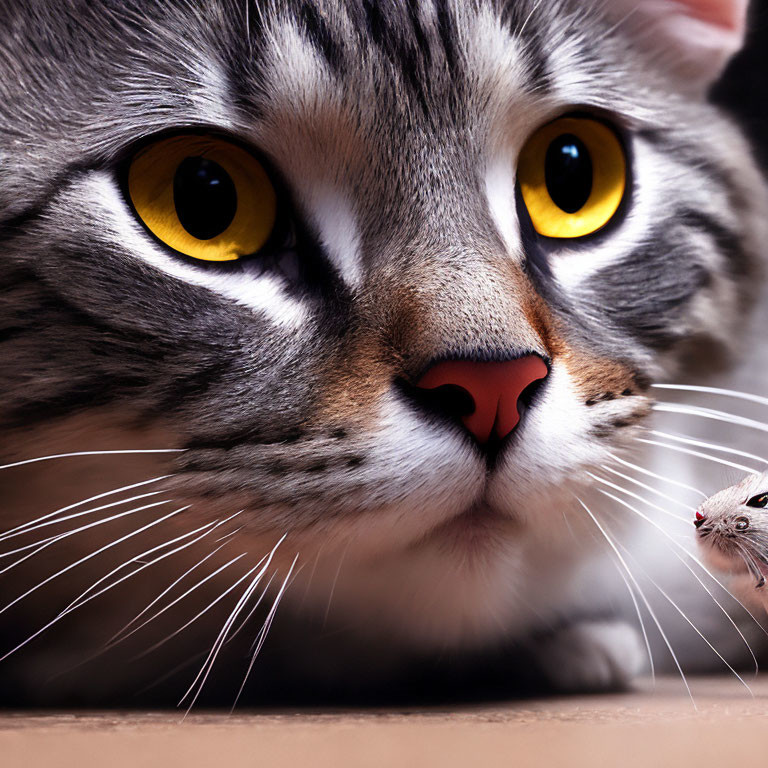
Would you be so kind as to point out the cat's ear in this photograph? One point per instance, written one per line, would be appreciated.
(695, 38)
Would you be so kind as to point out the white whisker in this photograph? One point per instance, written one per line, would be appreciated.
(179, 599)
(642, 597)
(79, 602)
(687, 553)
(690, 623)
(710, 413)
(85, 501)
(88, 453)
(714, 391)
(73, 516)
(699, 454)
(262, 636)
(656, 476)
(90, 556)
(651, 489)
(638, 497)
(117, 636)
(702, 444)
(208, 528)
(210, 660)
(45, 543)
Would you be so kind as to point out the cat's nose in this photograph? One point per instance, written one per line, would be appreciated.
(485, 396)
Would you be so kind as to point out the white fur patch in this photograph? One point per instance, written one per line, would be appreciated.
(263, 293)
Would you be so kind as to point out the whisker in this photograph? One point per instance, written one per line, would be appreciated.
(710, 413)
(656, 476)
(752, 565)
(714, 391)
(688, 621)
(89, 453)
(702, 444)
(196, 616)
(646, 640)
(639, 498)
(649, 488)
(701, 455)
(45, 543)
(117, 637)
(90, 556)
(688, 554)
(86, 501)
(208, 528)
(58, 520)
(262, 636)
(718, 604)
(79, 602)
(253, 610)
(210, 660)
(642, 597)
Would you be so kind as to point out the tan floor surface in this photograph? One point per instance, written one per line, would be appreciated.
(655, 729)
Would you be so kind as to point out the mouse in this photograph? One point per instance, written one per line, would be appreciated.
(732, 528)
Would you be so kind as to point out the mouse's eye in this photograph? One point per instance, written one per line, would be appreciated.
(759, 501)
(572, 175)
(741, 523)
(203, 197)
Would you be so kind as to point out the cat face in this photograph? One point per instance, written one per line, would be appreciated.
(391, 139)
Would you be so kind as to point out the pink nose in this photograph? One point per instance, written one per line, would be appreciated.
(494, 388)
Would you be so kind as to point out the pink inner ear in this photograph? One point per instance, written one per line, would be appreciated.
(726, 14)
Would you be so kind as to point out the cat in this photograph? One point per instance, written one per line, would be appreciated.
(292, 246)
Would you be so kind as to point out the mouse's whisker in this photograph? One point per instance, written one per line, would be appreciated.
(752, 565)
(698, 454)
(643, 597)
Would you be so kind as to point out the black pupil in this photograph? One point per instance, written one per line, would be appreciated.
(205, 197)
(759, 501)
(568, 173)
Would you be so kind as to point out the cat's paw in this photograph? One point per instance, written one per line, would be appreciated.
(592, 656)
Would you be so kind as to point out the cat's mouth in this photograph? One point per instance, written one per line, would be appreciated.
(478, 527)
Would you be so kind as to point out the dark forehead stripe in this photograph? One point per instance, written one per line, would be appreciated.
(322, 37)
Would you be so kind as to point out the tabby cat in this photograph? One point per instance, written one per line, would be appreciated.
(356, 292)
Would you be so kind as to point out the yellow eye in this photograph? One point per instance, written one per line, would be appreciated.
(203, 196)
(572, 175)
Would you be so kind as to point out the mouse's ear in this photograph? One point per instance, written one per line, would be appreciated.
(694, 39)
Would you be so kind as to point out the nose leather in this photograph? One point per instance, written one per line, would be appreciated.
(495, 389)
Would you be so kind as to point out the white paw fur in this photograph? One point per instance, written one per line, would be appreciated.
(592, 656)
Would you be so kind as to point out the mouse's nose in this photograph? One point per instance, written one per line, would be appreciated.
(699, 521)
(484, 396)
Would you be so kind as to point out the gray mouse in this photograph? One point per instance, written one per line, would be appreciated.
(732, 528)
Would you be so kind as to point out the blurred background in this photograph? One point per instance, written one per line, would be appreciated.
(744, 88)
